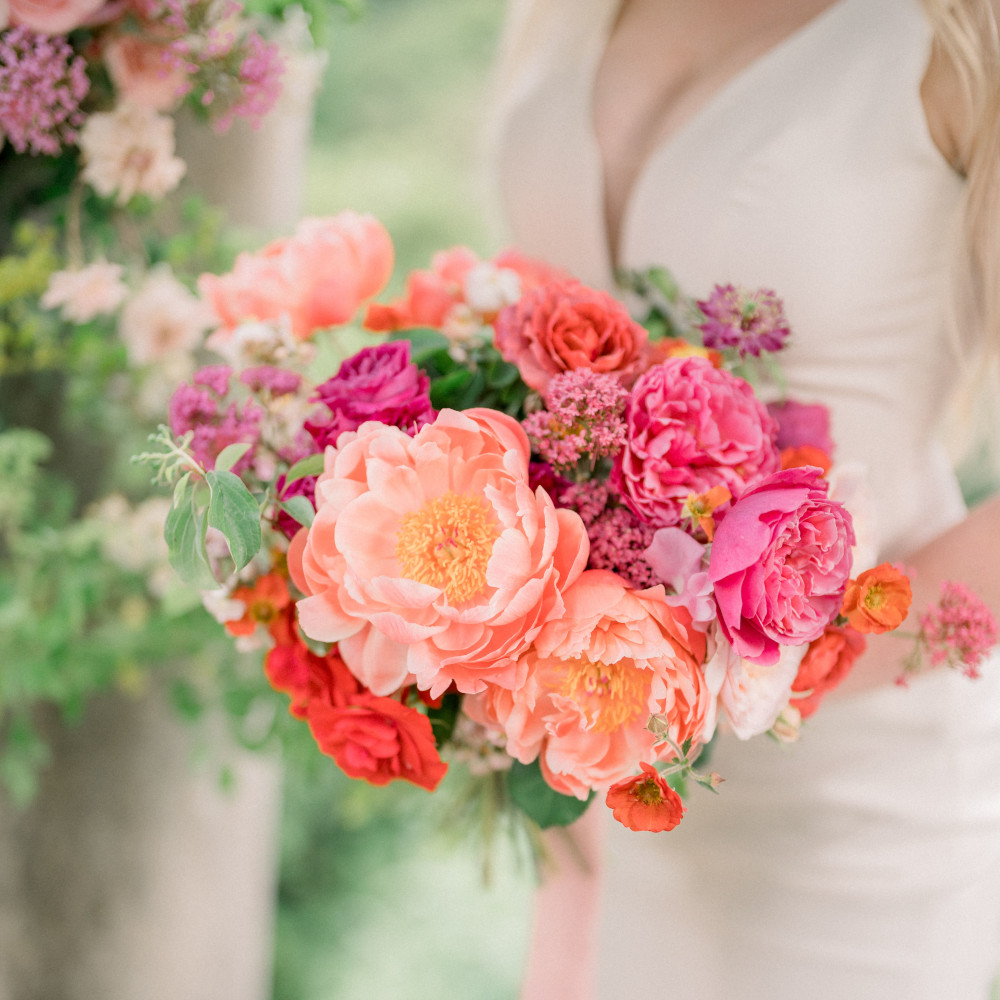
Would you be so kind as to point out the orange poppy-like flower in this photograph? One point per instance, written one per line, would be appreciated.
(878, 600)
(700, 507)
(677, 347)
(805, 454)
(645, 802)
(264, 602)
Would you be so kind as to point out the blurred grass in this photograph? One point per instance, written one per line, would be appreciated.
(373, 900)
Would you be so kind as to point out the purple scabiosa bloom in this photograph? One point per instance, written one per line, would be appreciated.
(750, 322)
(42, 82)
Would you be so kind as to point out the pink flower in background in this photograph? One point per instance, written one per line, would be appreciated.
(802, 424)
(594, 676)
(959, 630)
(144, 72)
(691, 427)
(318, 277)
(42, 83)
(259, 76)
(531, 272)
(130, 151)
(750, 322)
(378, 383)
(566, 326)
(780, 562)
(94, 290)
(52, 17)
(430, 557)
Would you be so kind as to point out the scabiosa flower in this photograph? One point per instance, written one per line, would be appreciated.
(750, 322)
(583, 419)
(959, 630)
(42, 82)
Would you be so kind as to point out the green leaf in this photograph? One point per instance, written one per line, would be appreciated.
(230, 455)
(424, 341)
(311, 465)
(181, 488)
(233, 510)
(532, 794)
(185, 537)
(448, 390)
(300, 509)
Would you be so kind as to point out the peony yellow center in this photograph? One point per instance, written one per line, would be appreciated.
(610, 695)
(447, 543)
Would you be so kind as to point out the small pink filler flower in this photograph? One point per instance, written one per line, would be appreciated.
(959, 630)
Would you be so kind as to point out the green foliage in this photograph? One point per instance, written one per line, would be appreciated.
(533, 795)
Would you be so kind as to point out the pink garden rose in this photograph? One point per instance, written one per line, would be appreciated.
(564, 326)
(594, 677)
(691, 427)
(378, 383)
(780, 561)
(144, 72)
(431, 560)
(52, 17)
(318, 277)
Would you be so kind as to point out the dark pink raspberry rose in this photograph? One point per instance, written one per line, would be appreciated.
(802, 424)
(780, 561)
(378, 383)
(564, 326)
(691, 426)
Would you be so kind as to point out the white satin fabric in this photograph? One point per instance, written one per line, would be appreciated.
(863, 862)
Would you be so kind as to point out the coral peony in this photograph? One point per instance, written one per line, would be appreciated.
(878, 600)
(691, 427)
(379, 740)
(318, 277)
(594, 677)
(564, 326)
(430, 557)
(827, 662)
(779, 564)
(645, 802)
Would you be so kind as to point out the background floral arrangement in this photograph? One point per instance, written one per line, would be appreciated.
(98, 320)
(526, 531)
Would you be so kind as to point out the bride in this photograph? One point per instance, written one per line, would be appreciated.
(846, 154)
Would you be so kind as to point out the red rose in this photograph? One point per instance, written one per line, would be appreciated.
(645, 802)
(378, 739)
(826, 663)
(563, 326)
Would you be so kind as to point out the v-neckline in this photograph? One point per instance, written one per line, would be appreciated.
(613, 253)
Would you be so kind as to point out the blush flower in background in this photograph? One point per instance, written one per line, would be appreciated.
(780, 562)
(750, 322)
(565, 326)
(691, 427)
(52, 17)
(645, 802)
(87, 292)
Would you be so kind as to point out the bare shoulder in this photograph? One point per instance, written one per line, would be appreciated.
(946, 105)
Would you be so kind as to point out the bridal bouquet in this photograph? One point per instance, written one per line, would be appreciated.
(524, 531)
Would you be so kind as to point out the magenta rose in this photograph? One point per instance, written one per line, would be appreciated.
(378, 383)
(564, 326)
(780, 561)
(690, 427)
(802, 424)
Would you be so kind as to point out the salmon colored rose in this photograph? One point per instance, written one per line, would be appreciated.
(318, 277)
(431, 560)
(878, 600)
(564, 326)
(691, 427)
(143, 72)
(827, 662)
(779, 564)
(52, 17)
(645, 802)
(379, 740)
(594, 677)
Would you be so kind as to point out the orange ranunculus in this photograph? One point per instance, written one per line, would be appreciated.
(379, 740)
(317, 278)
(826, 663)
(805, 454)
(264, 602)
(878, 600)
(645, 802)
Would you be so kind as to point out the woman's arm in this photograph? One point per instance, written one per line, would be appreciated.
(968, 553)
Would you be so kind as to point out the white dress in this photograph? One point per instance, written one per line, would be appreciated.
(863, 862)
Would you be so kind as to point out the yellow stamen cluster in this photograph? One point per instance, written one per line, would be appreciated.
(609, 694)
(447, 543)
